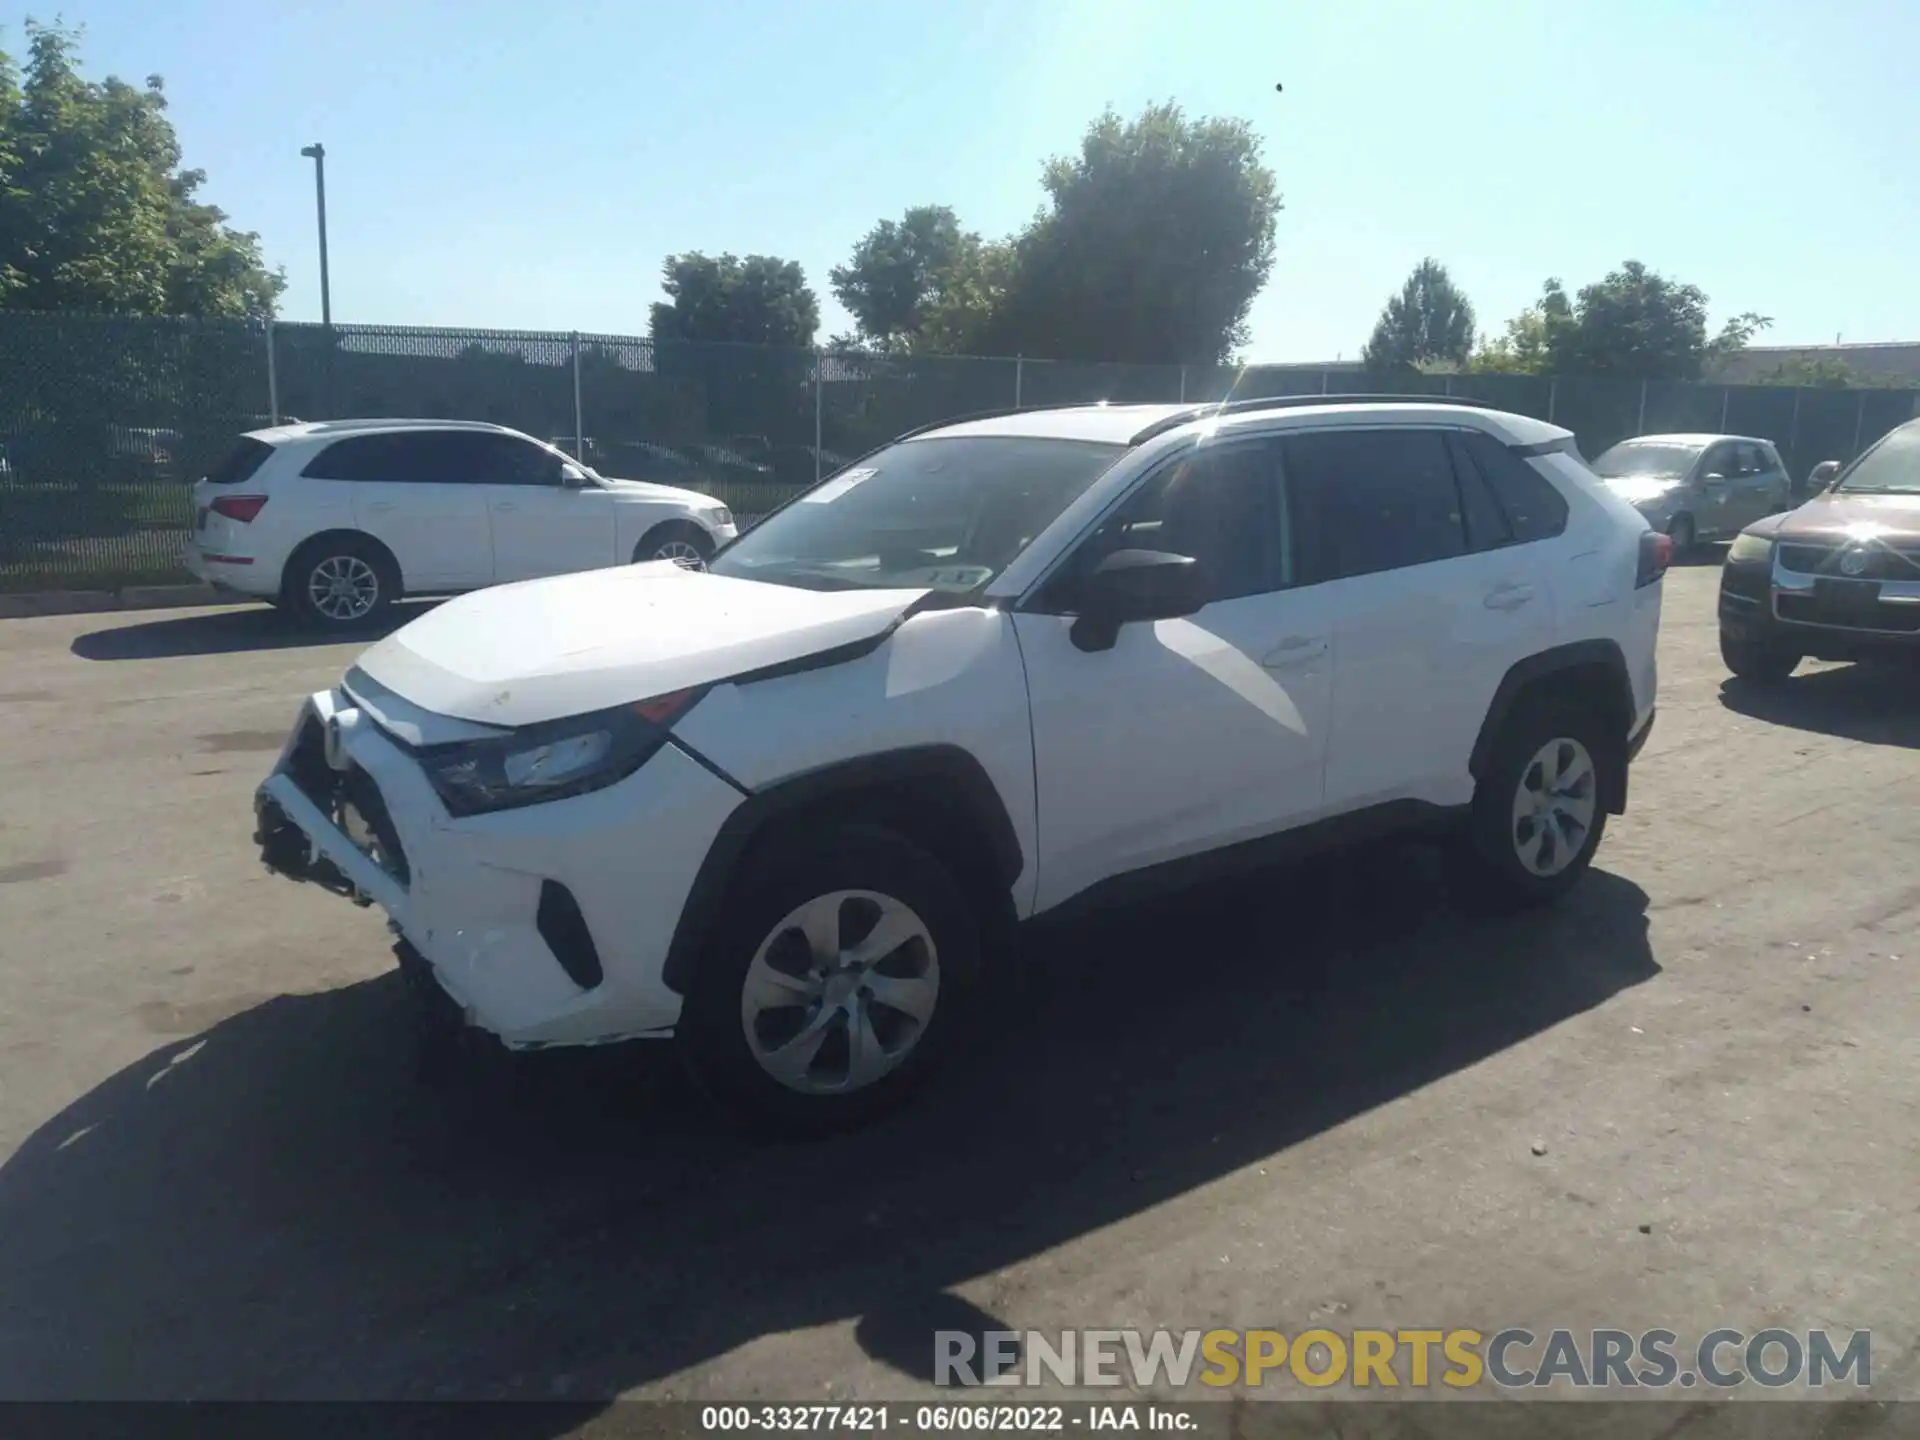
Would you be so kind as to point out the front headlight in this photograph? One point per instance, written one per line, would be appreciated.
(554, 760)
(721, 515)
(1750, 549)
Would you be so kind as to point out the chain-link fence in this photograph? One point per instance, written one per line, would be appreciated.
(105, 423)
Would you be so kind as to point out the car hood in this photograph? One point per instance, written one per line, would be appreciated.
(1833, 517)
(544, 649)
(647, 490)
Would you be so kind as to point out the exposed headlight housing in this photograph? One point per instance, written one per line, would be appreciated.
(721, 515)
(1750, 549)
(553, 760)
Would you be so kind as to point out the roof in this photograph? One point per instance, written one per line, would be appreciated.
(1120, 424)
(1697, 439)
(280, 434)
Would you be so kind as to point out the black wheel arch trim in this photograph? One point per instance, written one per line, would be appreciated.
(957, 772)
(1534, 669)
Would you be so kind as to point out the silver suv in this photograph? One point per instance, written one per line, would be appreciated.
(1698, 487)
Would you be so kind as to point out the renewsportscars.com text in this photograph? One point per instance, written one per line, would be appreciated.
(1513, 1358)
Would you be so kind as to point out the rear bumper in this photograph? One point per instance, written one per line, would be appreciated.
(236, 575)
(476, 898)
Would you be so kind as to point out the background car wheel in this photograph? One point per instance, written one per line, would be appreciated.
(1756, 660)
(1537, 812)
(340, 582)
(1681, 531)
(681, 541)
(840, 971)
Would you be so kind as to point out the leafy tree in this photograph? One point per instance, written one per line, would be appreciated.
(1529, 343)
(96, 213)
(1428, 321)
(1154, 242)
(760, 300)
(899, 272)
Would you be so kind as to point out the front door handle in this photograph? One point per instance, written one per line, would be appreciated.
(381, 505)
(502, 505)
(1295, 650)
(1508, 597)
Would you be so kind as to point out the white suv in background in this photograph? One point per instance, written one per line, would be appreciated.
(334, 520)
(1001, 668)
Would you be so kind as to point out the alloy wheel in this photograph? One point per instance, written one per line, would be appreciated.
(840, 992)
(343, 587)
(683, 553)
(1554, 806)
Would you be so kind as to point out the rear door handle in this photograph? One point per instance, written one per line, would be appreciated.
(1295, 650)
(1508, 597)
(504, 505)
(380, 505)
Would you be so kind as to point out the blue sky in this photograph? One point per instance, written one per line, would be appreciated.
(528, 165)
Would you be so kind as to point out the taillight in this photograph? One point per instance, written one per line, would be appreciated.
(1656, 554)
(239, 507)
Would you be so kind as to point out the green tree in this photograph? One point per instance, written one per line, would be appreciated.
(1429, 321)
(899, 272)
(96, 213)
(1637, 323)
(1154, 242)
(760, 300)
(1529, 343)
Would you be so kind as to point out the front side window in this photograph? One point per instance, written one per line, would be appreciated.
(1373, 500)
(479, 457)
(1221, 506)
(946, 513)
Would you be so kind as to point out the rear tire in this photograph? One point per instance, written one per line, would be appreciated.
(681, 541)
(340, 583)
(801, 1032)
(1538, 814)
(1757, 661)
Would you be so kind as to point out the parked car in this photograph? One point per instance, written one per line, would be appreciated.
(1836, 579)
(1697, 487)
(335, 520)
(1007, 667)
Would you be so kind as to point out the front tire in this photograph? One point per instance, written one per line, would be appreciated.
(1538, 811)
(340, 583)
(835, 980)
(1757, 661)
(1681, 531)
(680, 541)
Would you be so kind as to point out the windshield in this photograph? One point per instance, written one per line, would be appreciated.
(1639, 457)
(949, 514)
(1890, 468)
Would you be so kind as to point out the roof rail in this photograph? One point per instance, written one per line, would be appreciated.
(1290, 402)
(381, 422)
(963, 419)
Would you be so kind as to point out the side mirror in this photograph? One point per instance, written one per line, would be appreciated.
(1824, 474)
(1713, 477)
(1132, 585)
(572, 477)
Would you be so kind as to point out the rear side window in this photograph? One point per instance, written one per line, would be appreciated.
(240, 463)
(1372, 500)
(1534, 509)
(416, 457)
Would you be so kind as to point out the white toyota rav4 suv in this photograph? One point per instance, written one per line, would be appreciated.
(337, 519)
(786, 809)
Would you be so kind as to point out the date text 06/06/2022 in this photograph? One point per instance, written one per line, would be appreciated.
(944, 1418)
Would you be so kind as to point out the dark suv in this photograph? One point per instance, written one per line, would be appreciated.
(1836, 579)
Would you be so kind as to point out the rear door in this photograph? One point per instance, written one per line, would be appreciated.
(1432, 597)
(539, 526)
(412, 493)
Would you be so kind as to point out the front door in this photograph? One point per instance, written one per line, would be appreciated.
(1188, 734)
(540, 526)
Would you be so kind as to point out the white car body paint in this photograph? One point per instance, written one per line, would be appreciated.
(1250, 717)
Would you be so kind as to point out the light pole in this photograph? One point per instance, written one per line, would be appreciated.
(317, 153)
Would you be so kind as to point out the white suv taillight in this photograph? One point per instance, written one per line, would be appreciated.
(239, 507)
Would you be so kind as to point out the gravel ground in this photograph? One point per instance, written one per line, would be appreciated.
(1686, 1098)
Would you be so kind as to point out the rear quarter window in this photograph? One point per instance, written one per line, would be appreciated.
(240, 463)
(1534, 508)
